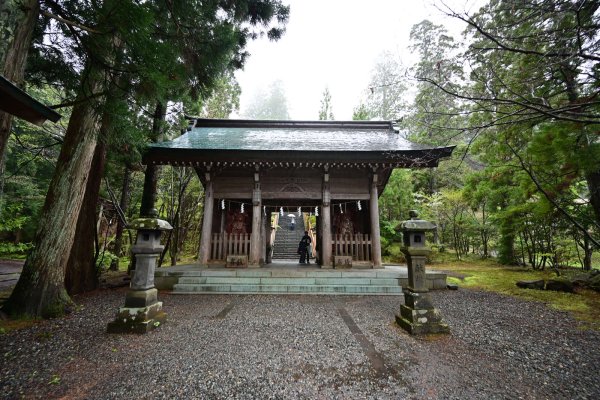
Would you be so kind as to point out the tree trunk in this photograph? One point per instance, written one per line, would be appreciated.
(506, 251)
(152, 171)
(593, 182)
(81, 274)
(123, 204)
(16, 56)
(40, 290)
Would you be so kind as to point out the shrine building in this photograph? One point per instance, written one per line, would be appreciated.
(329, 174)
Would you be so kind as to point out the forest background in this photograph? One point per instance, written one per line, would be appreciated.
(518, 94)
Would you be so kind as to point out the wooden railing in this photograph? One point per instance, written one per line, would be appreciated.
(358, 246)
(224, 244)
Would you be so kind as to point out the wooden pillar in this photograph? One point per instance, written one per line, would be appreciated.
(375, 234)
(263, 237)
(207, 220)
(326, 224)
(254, 259)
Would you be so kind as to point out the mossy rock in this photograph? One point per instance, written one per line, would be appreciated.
(589, 280)
(560, 285)
(594, 282)
(538, 284)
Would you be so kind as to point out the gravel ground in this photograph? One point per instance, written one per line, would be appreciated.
(280, 347)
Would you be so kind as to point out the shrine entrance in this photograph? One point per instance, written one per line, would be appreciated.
(350, 232)
(327, 174)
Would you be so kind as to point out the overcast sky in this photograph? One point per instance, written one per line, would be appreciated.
(334, 44)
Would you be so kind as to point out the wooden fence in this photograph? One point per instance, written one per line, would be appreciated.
(224, 244)
(358, 246)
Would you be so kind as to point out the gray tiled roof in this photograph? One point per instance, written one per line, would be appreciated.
(209, 140)
(290, 139)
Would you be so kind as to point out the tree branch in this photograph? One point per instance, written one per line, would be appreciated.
(548, 197)
(71, 23)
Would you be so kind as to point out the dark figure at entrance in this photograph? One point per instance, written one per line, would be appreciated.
(303, 248)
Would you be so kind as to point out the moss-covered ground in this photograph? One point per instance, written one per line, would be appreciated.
(488, 275)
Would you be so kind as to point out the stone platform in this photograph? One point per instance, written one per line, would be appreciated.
(288, 278)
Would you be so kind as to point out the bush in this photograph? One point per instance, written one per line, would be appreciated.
(105, 259)
(14, 250)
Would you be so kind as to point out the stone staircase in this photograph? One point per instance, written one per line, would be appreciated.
(288, 281)
(286, 240)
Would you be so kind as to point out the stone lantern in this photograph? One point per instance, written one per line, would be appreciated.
(142, 311)
(417, 314)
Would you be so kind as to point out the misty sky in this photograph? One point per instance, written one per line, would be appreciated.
(335, 43)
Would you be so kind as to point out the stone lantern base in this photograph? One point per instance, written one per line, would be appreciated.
(418, 315)
(142, 313)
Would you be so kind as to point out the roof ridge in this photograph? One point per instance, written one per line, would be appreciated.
(250, 123)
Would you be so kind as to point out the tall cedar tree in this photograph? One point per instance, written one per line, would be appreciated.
(19, 20)
(177, 46)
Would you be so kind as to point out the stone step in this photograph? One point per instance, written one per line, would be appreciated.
(286, 279)
(287, 289)
(350, 281)
(313, 272)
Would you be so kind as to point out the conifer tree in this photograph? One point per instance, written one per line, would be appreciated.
(177, 47)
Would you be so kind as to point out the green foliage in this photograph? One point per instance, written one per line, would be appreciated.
(13, 218)
(386, 89)
(526, 111)
(179, 201)
(14, 250)
(360, 113)
(223, 100)
(8, 20)
(105, 259)
(396, 200)
(29, 164)
(326, 109)
(433, 119)
(270, 104)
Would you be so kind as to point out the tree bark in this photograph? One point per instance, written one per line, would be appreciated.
(40, 290)
(123, 204)
(81, 273)
(152, 171)
(593, 183)
(587, 254)
(15, 59)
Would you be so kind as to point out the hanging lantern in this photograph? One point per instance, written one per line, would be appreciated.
(281, 211)
(223, 204)
(242, 208)
(341, 209)
(316, 211)
(265, 211)
(299, 211)
(358, 205)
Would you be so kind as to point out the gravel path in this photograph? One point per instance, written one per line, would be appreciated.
(321, 347)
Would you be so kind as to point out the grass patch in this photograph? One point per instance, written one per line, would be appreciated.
(16, 324)
(488, 275)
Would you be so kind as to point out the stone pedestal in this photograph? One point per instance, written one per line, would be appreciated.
(142, 311)
(419, 316)
(137, 319)
(342, 262)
